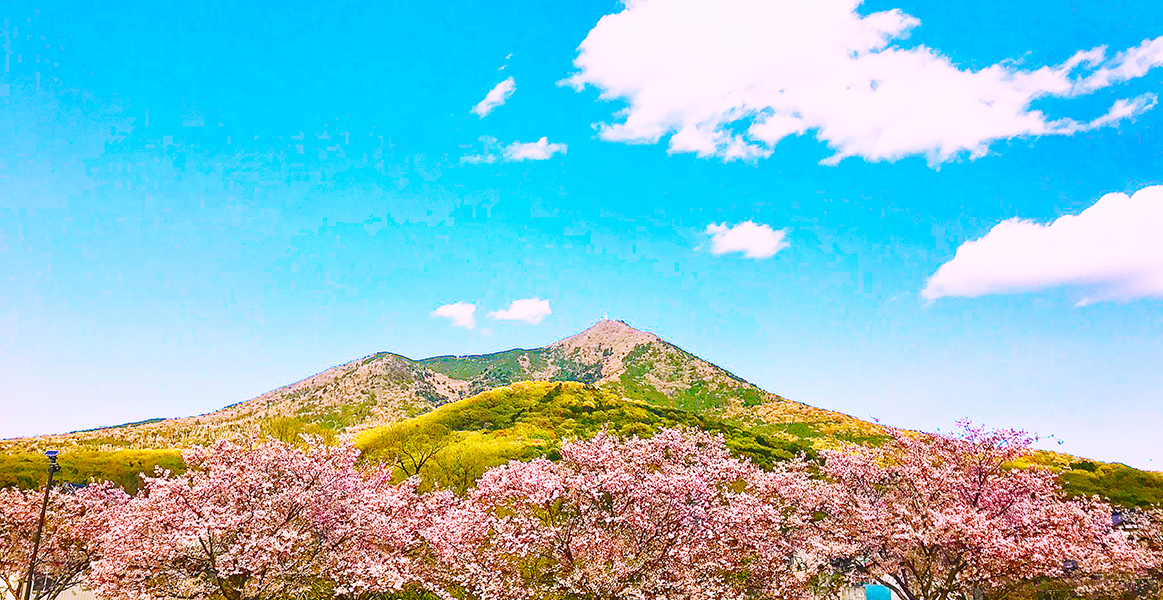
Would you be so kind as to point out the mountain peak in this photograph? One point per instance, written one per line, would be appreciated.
(607, 342)
(605, 334)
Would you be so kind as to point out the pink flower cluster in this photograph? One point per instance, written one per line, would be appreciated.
(68, 543)
(945, 517)
(674, 516)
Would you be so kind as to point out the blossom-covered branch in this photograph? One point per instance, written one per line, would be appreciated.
(939, 518)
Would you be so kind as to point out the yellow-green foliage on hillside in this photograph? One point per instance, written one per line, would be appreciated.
(1118, 483)
(453, 444)
(1121, 484)
(122, 467)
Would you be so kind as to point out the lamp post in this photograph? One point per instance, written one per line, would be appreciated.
(53, 467)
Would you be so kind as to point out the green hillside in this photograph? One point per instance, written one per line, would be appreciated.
(453, 444)
(123, 467)
(528, 420)
(1119, 483)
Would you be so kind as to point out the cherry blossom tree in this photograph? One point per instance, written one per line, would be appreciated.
(1145, 527)
(941, 518)
(381, 549)
(672, 516)
(258, 521)
(19, 511)
(68, 547)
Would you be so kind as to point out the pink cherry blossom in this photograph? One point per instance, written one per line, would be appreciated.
(935, 517)
(68, 545)
(1145, 527)
(258, 521)
(672, 516)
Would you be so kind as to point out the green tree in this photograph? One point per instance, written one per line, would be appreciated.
(409, 445)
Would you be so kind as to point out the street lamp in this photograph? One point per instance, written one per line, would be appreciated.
(53, 467)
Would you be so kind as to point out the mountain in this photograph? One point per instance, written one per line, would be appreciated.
(513, 404)
(384, 388)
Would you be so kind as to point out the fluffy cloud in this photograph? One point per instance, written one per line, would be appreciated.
(754, 241)
(462, 314)
(1113, 249)
(731, 78)
(529, 310)
(496, 97)
(539, 150)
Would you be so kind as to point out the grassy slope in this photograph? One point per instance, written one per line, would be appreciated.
(488, 371)
(123, 467)
(530, 419)
(1121, 484)
(498, 366)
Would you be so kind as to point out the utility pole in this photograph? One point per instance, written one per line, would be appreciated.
(53, 467)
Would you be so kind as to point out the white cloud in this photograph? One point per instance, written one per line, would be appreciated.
(494, 151)
(731, 78)
(487, 156)
(462, 314)
(539, 150)
(1114, 250)
(529, 310)
(496, 97)
(1125, 65)
(754, 241)
(478, 159)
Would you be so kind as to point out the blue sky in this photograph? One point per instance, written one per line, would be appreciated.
(199, 203)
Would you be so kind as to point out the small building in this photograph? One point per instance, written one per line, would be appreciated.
(867, 592)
